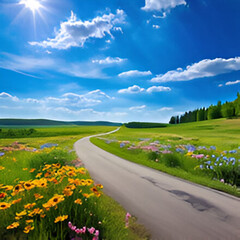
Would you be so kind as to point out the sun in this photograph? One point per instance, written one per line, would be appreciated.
(33, 5)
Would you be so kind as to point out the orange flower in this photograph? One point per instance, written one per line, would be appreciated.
(16, 201)
(2, 168)
(67, 192)
(29, 221)
(13, 225)
(61, 218)
(4, 205)
(57, 165)
(99, 185)
(35, 212)
(38, 175)
(71, 174)
(89, 182)
(38, 196)
(78, 201)
(28, 228)
(3, 195)
(25, 169)
(54, 201)
(32, 170)
(29, 205)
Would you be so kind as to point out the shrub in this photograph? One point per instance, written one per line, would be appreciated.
(171, 160)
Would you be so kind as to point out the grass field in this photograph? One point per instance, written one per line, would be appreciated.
(222, 134)
(24, 167)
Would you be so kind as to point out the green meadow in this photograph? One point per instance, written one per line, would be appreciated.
(223, 134)
(31, 211)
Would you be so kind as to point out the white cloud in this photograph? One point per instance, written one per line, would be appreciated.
(109, 60)
(163, 16)
(161, 5)
(220, 85)
(204, 68)
(28, 64)
(232, 83)
(158, 89)
(74, 33)
(134, 73)
(7, 96)
(156, 26)
(137, 108)
(133, 89)
(163, 109)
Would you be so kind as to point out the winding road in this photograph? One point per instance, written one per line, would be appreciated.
(169, 207)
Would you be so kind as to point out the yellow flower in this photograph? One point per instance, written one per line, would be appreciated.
(16, 201)
(78, 201)
(67, 192)
(14, 159)
(4, 205)
(61, 218)
(86, 195)
(95, 191)
(18, 188)
(57, 165)
(2, 168)
(54, 201)
(32, 170)
(25, 169)
(29, 205)
(71, 174)
(38, 175)
(28, 228)
(29, 221)
(81, 170)
(7, 187)
(35, 212)
(38, 196)
(47, 166)
(189, 154)
(22, 213)
(99, 186)
(89, 182)
(13, 225)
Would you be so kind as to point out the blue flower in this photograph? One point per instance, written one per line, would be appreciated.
(213, 156)
(225, 158)
(213, 148)
(1, 154)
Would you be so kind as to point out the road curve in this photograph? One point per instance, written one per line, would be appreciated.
(169, 207)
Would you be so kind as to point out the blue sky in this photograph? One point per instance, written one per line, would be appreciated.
(139, 60)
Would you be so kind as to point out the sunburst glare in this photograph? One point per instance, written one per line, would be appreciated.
(33, 5)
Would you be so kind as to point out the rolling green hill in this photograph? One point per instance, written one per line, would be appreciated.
(46, 122)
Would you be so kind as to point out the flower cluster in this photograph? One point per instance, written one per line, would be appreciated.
(43, 196)
(94, 233)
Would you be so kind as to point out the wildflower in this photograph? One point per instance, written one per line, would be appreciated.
(35, 212)
(91, 230)
(18, 188)
(23, 213)
(29, 221)
(222, 180)
(78, 201)
(25, 169)
(37, 196)
(128, 215)
(7, 187)
(67, 192)
(29, 185)
(38, 175)
(61, 218)
(99, 186)
(89, 182)
(13, 225)
(29, 205)
(54, 201)
(3, 195)
(2, 168)
(86, 195)
(57, 165)
(4, 205)
(14, 159)
(28, 228)
(16, 201)
(32, 170)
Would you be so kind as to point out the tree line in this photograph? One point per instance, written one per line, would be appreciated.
(225, 110)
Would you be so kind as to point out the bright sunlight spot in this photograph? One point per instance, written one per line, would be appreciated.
(33, 5)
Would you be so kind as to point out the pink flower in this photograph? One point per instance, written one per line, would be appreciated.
(91, 230)
(84, 229)
(222, 180)
(78, 231)
(128, 215)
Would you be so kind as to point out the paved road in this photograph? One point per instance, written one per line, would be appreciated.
(169, 207)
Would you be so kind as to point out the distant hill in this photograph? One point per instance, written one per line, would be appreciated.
(145, 125)
(47, 122)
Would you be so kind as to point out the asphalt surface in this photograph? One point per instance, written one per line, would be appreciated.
(170, 208)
